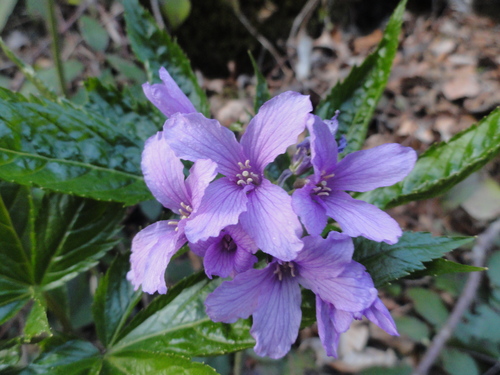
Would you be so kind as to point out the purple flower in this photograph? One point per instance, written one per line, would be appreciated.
(153, 246)
(272, 294)
(244, 195)
(168, 97)
(227, 254)
(365, 170)
(332, 322)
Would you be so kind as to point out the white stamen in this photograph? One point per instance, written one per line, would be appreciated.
(328, 176)
(241, 165)
(245, 173)
(249, 181)
(172, 222)
(247, 163)
(323, 193)
(241, 182)
(323, 183)
(317, 189)
(189, 209)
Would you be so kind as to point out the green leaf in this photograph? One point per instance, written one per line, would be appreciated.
(177, 323)
(444, 165)
(442, 266)
(357, 96)
(70, 150)
(146, 363)
(494, 269)
(121, 106)
(6, 8)
(93, 33)
(155, 48)
(176, 11)
(74, 357)
(389, 262)
(413, 328)
(457, 362)
(261, 90)
(113, 301)
(127, 68)
(71, 235)
(429, 305)
(28, 72)
(37, 323)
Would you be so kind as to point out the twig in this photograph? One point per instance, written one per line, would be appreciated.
(484, 242)
(157, 14)
(302, 18)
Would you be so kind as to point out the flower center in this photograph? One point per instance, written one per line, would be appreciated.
(228, 243)
(184, 213)
(247, 176)
(287, 269)
(321, 187)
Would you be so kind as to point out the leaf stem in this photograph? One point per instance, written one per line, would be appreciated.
(238, 357)
(56, 52)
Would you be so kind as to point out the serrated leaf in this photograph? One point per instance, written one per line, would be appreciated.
(37, 323)
(74, 357)
(177, 323)
(146, 363)
(389, 262)
(442, 266)
(113, 301)
(121, 106)
(429, 305)
(261, 89)
(444, 165)
(93, 33)
(70, 150)
(357, 96)
(155, 48)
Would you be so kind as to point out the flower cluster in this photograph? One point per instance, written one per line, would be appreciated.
(228, 210)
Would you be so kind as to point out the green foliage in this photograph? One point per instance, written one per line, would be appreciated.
(93, 33)
(357, 96)
(261, 90)
(429, 305)
(155, 48)
(444, 165)
(70, 150)
(442, 266)
(390, 262)
(47, 239)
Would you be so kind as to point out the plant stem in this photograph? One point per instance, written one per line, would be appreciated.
(238, 357)
(56, 52)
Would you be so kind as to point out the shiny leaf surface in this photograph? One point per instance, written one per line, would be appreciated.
(155, 48)
(357, 96)
(69, 150)
(177, 323)
(390, 262)
(444, 165)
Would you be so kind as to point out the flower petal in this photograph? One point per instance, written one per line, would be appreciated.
(350, 291)
(324, 258)
(152, 249)
(276, 321)
(378, 314)
(271, 222)
(200, 175)
(312, 214)
(193, 136)
(324, 152)
(168, 97)
(275, 127)
(221, 206)
(328, 335)
(163, 173)
(237, 298)
(366, 170)
(219, 261)
(358, 218)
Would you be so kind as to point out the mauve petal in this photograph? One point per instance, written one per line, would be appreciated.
(346, 291)
(312, 214)
(220, 262)
(168, 97)
(193, 136)
(366, 170)
(324, 258)
(341, 319)
(328, 335)
(237, 298)
(241, 238)
(152, 249)
(200, 247)
(324, 151)
(163, 173)
(275, 127)
(201, 173)
(378, 314)
(276, 321)
(221, 206)
(358, 218)
(271, 222)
